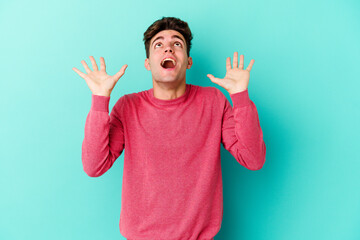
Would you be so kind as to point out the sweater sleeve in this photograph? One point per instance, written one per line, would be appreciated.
(104, 136)
(241, 132)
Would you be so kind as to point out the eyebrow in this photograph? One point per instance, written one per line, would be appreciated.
(173, 36)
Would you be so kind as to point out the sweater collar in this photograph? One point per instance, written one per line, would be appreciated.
(174, 101)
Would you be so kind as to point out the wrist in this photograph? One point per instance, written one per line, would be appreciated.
(104, 94)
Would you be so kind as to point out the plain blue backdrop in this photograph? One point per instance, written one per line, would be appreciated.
(304, 83)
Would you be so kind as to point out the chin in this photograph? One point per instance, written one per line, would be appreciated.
(167, 79)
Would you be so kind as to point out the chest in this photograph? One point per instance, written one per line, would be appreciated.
(192, 123)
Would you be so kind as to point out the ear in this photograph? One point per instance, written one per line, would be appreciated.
(147, 64)
(190, 62)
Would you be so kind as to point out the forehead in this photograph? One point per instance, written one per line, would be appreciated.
(167, 34)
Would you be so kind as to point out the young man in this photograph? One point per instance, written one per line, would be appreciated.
(172, 134)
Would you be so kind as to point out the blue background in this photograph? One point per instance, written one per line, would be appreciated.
(304, 83)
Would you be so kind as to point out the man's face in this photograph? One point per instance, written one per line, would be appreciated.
(168, 44)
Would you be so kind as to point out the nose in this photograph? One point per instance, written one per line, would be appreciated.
(169, 49)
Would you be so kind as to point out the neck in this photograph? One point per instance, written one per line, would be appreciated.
(168, 90)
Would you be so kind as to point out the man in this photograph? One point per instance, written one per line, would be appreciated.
(172, 134)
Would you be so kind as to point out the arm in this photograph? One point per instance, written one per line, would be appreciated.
(104, 136)
(241, 132)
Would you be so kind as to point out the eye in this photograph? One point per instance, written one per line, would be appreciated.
(178, 43)
(157, 44)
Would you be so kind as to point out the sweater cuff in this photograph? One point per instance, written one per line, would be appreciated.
(240, 99)
(100, 103)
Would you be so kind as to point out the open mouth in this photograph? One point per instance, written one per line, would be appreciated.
(168, 63)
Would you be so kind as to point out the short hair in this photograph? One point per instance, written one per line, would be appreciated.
(168, 23)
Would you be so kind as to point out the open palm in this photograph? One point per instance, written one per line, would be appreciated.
(236, 78)
(99, 82)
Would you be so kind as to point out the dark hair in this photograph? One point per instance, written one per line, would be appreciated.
(168, 23)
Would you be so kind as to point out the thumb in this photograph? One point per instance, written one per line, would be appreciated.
(213, 79)
(120, 73)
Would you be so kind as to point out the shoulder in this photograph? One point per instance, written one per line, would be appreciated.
(125, 103)
(211, 93)
(208, 90)
(212, 96)
(131, 101)
(130, 97)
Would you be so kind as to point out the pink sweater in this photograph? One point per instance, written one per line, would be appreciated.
(172, 182)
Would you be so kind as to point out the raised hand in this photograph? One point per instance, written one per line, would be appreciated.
(99, 82)
(236, 78)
